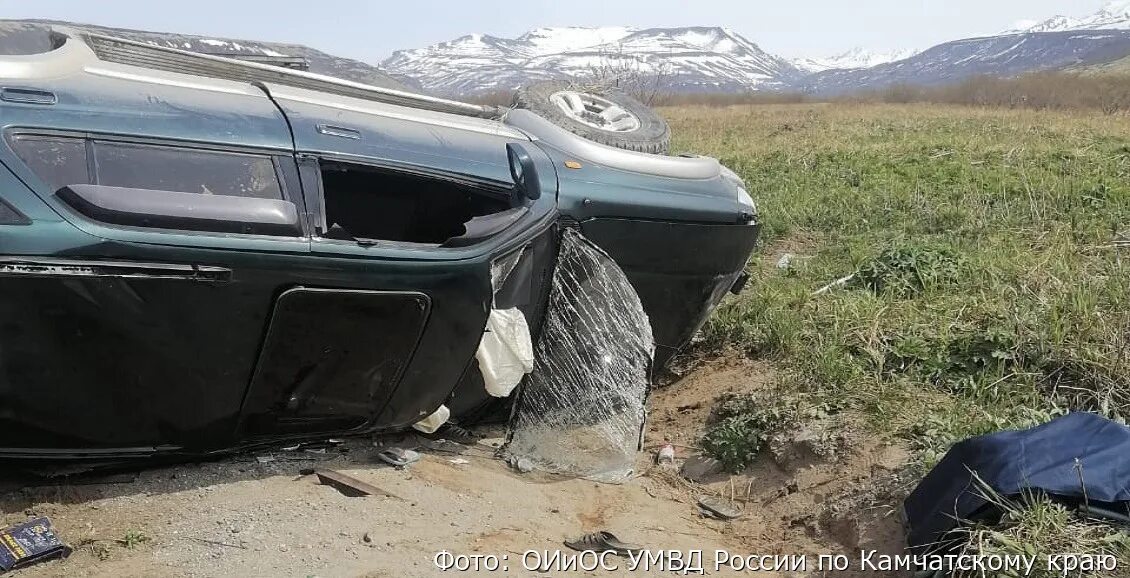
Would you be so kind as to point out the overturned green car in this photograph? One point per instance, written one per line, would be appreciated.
(199, 254)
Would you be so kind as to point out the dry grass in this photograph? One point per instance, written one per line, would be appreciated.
(1109, 94)
(1035, 526)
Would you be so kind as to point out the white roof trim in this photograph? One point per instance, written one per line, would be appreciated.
(167, 81)
(447, 120)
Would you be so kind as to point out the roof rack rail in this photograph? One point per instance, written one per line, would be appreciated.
(133, 53)
(295, 62)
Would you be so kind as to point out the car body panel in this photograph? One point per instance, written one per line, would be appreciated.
(681, 271)
(97, 361)
(683, 243)
(324, 367)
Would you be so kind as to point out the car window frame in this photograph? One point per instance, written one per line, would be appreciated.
(289, 182)
(310, 169)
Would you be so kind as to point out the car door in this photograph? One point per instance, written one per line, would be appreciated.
(129, 326)
(408, 210)
(125, 326)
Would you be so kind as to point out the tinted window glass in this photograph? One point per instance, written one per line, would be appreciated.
(185, 170)
(58, 161)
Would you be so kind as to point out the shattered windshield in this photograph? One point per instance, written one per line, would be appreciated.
(581, 411)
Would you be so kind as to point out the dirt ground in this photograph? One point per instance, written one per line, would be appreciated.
(255, 515)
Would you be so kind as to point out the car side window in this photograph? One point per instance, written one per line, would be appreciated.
(382, 204)
(185, 170)
(59, 161)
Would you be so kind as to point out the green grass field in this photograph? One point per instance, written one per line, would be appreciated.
(988, 291)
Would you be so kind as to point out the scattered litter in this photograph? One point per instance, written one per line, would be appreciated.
(602, 542)
(399, 457)
(665, 455)
(837, 283)
(350, 486)
(459, 461)
(785, 262)
(718, 508)
(433, 422)
(293, 448)
(30, 542)
(265, 459)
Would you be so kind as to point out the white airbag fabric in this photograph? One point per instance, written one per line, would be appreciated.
(506, 353)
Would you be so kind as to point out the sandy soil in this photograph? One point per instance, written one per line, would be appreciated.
(255, 515)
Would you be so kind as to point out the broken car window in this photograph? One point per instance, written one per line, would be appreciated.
(185, 170)
(393, 206)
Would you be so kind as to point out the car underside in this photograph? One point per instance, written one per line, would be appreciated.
(200, 255)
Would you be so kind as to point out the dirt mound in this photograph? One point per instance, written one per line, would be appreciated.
(828, 488)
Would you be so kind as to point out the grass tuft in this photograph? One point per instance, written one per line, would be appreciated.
(1034, 525)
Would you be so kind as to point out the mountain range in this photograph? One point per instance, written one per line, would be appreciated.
(695, 59)
(716, 59)
(1114, 16)
(858, 57)
(690, 59)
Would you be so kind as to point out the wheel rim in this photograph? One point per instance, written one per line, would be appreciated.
(594, 111)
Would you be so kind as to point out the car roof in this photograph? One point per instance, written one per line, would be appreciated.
(104, 84)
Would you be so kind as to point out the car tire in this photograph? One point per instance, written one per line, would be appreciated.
(636, 127)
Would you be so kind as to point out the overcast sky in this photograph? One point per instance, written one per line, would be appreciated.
(370, 31)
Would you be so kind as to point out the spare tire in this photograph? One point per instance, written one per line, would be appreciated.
(606, 116)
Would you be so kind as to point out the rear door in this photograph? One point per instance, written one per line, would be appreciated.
(408, 210)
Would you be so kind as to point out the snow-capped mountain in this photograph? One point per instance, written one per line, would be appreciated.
(1002, 56)
(691, 59)
(1061, 42)
(1113, 16)
(855, 58)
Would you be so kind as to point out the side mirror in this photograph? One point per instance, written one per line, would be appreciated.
(526, 182)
